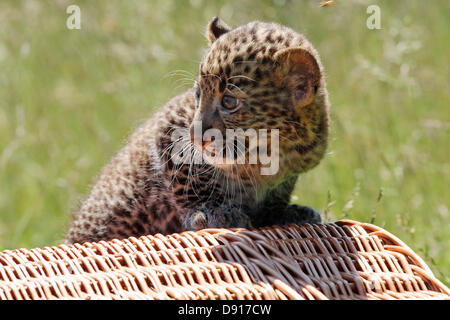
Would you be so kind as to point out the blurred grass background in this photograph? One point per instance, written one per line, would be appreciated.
(69, 99)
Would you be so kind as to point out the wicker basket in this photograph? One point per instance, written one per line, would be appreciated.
(342, 260)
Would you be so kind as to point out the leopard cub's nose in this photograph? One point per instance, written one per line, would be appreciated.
(196, 135)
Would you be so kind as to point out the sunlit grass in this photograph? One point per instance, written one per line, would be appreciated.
(69, 99)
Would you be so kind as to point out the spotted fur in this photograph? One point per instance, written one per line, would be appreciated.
(278, 76)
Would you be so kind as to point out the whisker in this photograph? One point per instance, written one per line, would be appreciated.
(241, 76)
(235, 86)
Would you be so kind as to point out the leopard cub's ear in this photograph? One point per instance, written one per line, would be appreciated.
(299, 69)
(215, 29)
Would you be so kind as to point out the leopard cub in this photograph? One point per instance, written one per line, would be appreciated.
(259, 76)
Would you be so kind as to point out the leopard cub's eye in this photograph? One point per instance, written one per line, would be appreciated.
(197, 96)
(230, 102)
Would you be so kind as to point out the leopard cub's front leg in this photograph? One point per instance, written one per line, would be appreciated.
(282, 214)
(212, 216)
(299, 215)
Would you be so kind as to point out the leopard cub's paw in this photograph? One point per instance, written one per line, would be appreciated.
(225, 216)
(301, 214)
(222, 216)
(195, 220)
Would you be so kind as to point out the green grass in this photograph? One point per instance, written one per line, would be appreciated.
(69, 98)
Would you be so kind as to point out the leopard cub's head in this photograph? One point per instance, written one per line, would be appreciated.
(261, 77)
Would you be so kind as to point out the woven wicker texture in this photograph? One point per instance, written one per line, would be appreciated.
(342, 260)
